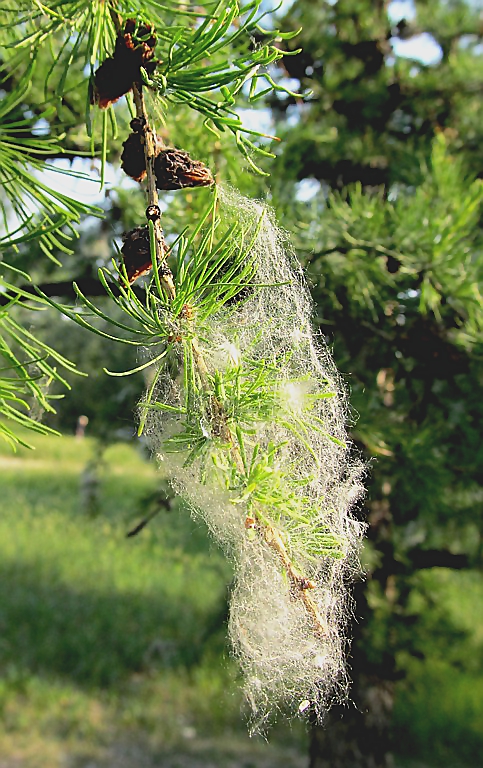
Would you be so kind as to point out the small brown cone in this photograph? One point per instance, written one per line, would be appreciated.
(136, 253)
(133, 161)
(118, 72)
(176, 170)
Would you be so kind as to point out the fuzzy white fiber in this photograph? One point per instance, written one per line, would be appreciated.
(282, 659)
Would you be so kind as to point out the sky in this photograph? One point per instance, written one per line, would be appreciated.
(423, 47)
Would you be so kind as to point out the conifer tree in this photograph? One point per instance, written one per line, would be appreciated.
(390, 150)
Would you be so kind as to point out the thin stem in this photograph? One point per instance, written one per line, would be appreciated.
(153, 211)
(300, 585)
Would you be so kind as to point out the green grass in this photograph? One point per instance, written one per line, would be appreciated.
(112, 649)
(106, 638)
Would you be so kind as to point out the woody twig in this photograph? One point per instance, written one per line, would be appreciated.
(153, 211)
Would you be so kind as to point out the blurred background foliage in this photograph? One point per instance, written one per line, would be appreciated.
(378, 180)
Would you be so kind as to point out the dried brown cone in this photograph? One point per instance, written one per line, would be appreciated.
(175, 169)
(136, 253)
(133, 161)
(116, 75)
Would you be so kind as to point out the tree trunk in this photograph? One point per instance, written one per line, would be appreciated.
(356, 735)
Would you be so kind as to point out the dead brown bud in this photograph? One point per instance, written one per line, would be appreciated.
(187, 312)
(118, 72)
(138, 124)
(306, 584)
(136, 253)
(175, 169)
(133, 161)
(153, 212)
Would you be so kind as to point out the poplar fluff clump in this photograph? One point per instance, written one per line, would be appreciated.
(248, 424)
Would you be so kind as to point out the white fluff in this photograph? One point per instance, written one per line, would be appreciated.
(282, 660)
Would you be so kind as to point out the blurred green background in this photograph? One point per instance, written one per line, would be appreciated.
(113, 649)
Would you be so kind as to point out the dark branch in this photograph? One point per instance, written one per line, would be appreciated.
(89, 286)
(437, 558)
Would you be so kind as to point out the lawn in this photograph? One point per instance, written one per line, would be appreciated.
(110, 644)
(112, 649)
